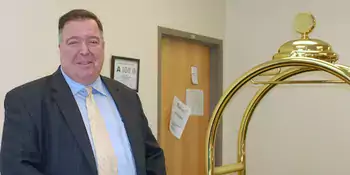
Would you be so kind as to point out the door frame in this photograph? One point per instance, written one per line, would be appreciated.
(216, 77)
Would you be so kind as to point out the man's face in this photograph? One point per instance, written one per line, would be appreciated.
(82, 50)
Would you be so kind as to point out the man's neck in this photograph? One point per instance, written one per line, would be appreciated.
(84, 82)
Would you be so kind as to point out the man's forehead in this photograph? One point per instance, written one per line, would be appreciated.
(81, 30)
(81, 25)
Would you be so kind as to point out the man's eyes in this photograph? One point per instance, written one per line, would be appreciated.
(73, 42)
(90, 41)
(94, 42)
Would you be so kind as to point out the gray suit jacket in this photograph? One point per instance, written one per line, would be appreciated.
(44, 133)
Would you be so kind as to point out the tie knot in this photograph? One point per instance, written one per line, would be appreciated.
(89, 90)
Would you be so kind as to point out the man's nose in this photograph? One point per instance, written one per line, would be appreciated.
(84, 49)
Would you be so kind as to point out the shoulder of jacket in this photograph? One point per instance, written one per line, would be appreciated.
(36, 87)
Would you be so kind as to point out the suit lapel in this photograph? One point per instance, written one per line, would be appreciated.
(128, 117)
(71, 113)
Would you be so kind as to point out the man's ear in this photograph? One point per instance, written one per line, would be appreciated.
(59, 40)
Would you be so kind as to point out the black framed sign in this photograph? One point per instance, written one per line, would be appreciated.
(126, 70)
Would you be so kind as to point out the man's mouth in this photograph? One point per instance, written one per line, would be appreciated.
(85, 63)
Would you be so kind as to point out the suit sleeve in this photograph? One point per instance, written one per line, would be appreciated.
(20, 154)
(155, 161)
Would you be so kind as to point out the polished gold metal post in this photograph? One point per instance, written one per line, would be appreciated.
(300, 56)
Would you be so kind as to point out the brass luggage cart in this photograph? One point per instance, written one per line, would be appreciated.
(293, 58)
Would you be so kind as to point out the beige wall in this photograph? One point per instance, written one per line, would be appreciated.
(29, 36)
(301, 129)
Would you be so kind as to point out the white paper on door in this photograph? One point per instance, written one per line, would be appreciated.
(194, 75)
(180, 113)
(195, 101)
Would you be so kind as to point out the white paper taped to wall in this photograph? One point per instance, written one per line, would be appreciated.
(180, 113)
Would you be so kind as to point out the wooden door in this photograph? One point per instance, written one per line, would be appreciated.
(184, 156)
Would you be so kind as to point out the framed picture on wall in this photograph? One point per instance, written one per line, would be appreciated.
(126, 70)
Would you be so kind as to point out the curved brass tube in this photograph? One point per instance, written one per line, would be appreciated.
(308, 64)
(252, 106)
(239, 167)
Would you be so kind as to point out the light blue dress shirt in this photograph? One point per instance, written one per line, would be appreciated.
(114, 124)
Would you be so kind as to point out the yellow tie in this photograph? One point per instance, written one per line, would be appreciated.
(106, 159)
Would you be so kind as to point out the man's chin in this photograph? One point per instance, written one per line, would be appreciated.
(88, 78)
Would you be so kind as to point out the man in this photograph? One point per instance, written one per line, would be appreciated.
(75, 121)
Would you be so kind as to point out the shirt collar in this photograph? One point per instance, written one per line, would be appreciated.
(97, 86)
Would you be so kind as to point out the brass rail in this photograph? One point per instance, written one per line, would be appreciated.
(303, 64)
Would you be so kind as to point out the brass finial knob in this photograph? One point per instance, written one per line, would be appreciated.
(304, 23)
